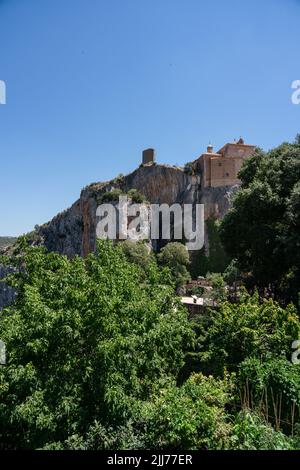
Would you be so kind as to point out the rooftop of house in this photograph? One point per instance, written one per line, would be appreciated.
(192, 300)
(236, 149)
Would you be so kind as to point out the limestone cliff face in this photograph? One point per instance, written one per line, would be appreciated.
(64, 233)
(163, 184)
(73, 232)
(217, 201)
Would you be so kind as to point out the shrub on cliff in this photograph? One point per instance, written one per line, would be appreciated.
(136, 196)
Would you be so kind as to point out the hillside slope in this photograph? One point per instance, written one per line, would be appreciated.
(6, 241)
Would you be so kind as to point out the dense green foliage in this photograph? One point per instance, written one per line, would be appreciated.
(251, 432)
(234, 332)
(190, 417)
(218, 293)
(137, 252)
(95, 360)
(252, 341)
(262, 231)
(216, 260)
(86, 339)
(176, 257)
(273, 388)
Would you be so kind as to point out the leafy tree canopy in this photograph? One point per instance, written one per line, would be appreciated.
(234, 332)
(262, 231)
(86, 340)
(175, 256)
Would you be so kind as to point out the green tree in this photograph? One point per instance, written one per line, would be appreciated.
(234, 332)
(137, 252)
(232, 273)
(177, 418)
(189, 417)
(218, 293)
(175, 256)
(86, 340)
(262, 229)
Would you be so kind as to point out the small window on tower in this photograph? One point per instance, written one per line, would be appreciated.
(220, 164)
(227, 174)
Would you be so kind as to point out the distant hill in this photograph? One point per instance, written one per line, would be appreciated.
(6, 241)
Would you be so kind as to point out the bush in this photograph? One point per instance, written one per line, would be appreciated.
(137, 252)
(273, 389)
(136, 196)
(197, 290)
(111, 196)
(189, 417)
(176, 257)
(218, 293)
(250, 432)
(234, 332)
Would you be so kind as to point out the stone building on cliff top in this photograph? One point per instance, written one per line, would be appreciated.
(221, 168)
(211, 180)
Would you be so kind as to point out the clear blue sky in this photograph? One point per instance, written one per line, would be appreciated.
(90, 83)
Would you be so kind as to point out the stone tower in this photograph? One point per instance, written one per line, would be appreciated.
(148, 156)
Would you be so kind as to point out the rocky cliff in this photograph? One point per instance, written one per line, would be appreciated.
(74, 231)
